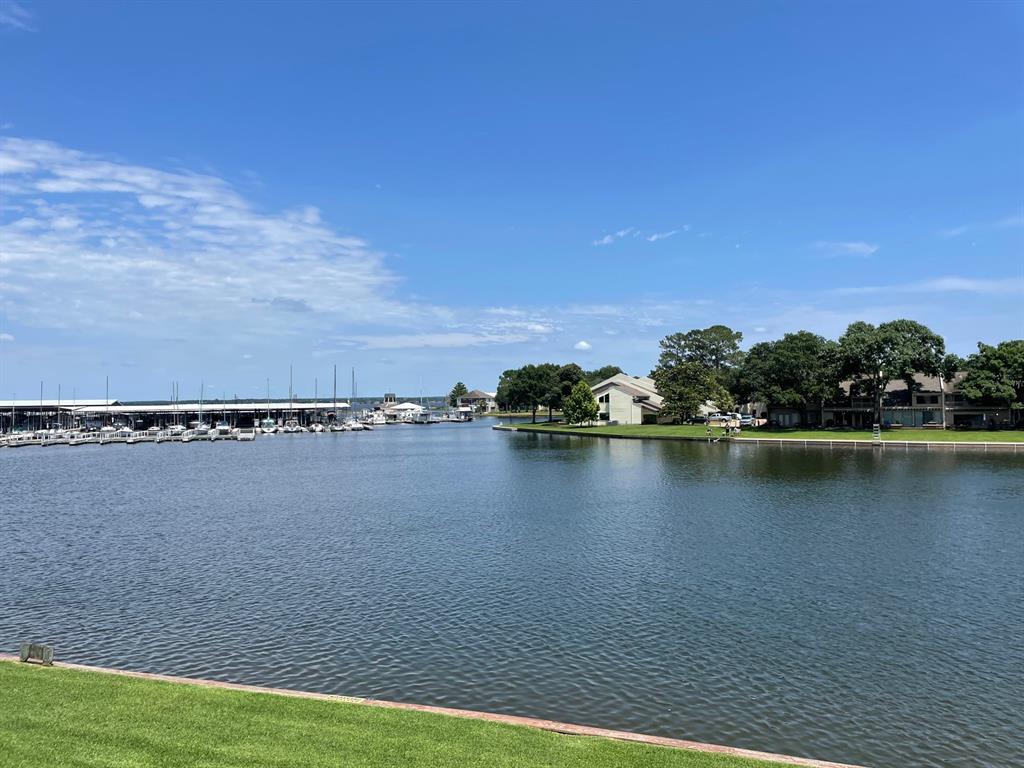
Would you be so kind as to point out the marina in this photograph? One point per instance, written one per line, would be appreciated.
(728, 607)
(52, 423)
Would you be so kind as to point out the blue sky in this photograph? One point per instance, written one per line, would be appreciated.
(435, 192)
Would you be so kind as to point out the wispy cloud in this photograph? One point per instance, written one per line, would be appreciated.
(660, 236)
(949, 234)
(844, 248)
(949, 284)
(1011, 221)
(15, 16)
(436, 340)
(187, 247)
(6, 337)
(613, 236)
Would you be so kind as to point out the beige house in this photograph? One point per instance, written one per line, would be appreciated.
(626, 399)
(479, 401)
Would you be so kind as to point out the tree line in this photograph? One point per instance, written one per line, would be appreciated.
(804, 370)
(550, 385)
(801, 370)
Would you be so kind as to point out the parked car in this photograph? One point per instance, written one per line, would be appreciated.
(746, 420)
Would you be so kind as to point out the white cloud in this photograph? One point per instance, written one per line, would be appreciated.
(845, 248)
(660, 236)
(187, 249)
(611, 238)
(6, 337)
(15, 16)
(949, 234)
(951, 284)
(437, 340)
(582, 346)
(1011, 221)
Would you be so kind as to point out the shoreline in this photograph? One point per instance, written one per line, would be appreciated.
(952, 445)
(569, 729)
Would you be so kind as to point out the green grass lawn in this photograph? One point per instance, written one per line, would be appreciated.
(685, 431)
(63, 717)
(931, 435)
(626, 430)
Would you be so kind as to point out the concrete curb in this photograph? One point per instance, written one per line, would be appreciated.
(953, 445)
(529, 722)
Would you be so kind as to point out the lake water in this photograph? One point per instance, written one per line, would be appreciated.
(849, 605)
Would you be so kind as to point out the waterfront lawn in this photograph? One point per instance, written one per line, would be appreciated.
(663, 431)
(669, 432)
(59, 717)
(924, 435)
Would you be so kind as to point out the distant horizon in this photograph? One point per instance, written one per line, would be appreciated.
(460, 190)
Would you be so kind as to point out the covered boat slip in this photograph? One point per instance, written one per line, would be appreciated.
(17, 415)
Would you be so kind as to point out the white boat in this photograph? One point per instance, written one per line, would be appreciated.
(340, 426)
(245, 435)
(375, 419)
(219, 430)
(317, 427)
(291, 426)
(268, 426)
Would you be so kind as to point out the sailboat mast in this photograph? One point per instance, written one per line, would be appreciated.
(335, 392)
(291, 397)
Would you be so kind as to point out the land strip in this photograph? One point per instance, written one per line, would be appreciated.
(71, 714)
(1005, 439)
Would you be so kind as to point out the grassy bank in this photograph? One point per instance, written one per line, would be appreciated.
(924, 435)
(685, 432)
(663, 431)
(61, 717)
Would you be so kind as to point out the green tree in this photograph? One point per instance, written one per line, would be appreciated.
(686, 386)
(693, 368)
(598, 375)
(580, 406)
(527, 387)
(457, 391)
(564, 379)
(874, 356)
(800, 370)
(716, 348)
(996, 374)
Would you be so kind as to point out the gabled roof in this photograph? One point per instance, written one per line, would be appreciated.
(637, 386)
(477, 394)
(67, 402)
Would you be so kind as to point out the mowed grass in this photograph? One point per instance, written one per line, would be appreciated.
(923, 435)
(670, 432)
(664, 431)
(64, 717)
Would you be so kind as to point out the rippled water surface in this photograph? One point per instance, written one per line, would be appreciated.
(843, 604)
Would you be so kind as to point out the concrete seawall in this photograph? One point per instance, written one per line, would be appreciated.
(949, 445)
(529, 722)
